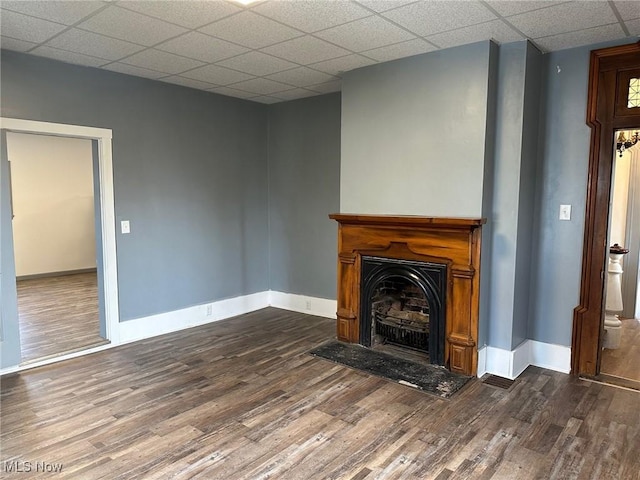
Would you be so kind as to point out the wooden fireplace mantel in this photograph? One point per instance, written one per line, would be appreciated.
(454, 242)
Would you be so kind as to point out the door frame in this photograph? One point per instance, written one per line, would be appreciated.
(103, 137)
(607, 112)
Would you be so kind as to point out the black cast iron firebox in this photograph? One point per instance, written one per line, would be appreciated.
(419, 288)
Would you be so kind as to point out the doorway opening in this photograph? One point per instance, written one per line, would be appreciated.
(54, 211)
(621, 337)
(101, 278)
(613, 104)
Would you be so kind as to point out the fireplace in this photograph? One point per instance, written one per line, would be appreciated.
(413, 283)
(402, 305)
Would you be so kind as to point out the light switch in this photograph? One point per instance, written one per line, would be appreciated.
(565, 212)
(125, 227)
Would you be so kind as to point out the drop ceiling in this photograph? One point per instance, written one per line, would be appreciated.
(276, 50)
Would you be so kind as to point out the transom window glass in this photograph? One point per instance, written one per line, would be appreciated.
(634, 93)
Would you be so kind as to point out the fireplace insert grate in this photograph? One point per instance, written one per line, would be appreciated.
(402, 332)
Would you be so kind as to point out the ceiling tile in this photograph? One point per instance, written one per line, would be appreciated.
(509, 7)
(188, 82)
(399, 50)
(132, 70)
(65, 12)
(582, 37)
(265, 99)
(216, 75)
(251, 30)
(191, 14)
(162, 61)
(633, 26)
(261, 86)
(29, 29)
(563, 18)
(202, 47)
(337, 66)
(14, 44)
(131, 26)
(232, 92)
(496, 30)
(312, 16)
(257, 63)
(301, 77)
(628, 10)
(306, 50)
(94, 45)
(384, 5)
(428, 18)
(364, 34)
(294, 94)
(69, 57)
(327, 87)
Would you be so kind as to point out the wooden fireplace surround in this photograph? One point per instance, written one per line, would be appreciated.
(454, 242)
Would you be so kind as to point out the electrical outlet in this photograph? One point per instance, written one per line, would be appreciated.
(209, 310)
(308, 305)
(125, 227)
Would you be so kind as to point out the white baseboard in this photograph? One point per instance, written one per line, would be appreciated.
(321, 307)
(550, 356)
(511, 363)
(154, 325)
(168, 322)
(48, 361)
(482, 361)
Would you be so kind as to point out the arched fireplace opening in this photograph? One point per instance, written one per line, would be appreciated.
(402, 306)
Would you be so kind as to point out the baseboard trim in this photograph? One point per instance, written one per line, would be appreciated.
(321, 307)
(511, 363)
(162, 323)
(154, 325)
(49, 361)
(34, 276)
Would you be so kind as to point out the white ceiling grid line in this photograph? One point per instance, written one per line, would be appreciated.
(279, 50)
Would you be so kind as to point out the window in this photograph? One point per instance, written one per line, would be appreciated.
(634, 93)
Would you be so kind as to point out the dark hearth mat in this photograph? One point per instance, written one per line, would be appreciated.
(429, 378)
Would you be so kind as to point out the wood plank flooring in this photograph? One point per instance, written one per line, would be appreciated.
(241, 399)
(624, 361)
(58, 315)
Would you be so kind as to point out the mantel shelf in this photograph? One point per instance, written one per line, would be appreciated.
(408, 221)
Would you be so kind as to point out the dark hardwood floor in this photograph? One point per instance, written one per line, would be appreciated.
(241, 399)
(58, 315)
(624, 361)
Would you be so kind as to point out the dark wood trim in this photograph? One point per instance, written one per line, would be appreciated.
(618, 381)
(607, 70)
(451, 241)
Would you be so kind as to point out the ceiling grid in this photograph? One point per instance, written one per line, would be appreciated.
(277, 50)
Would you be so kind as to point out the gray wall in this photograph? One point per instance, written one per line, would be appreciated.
(398, 122)
(561, 179)
(514, 193)
(418, 138)
(488, 186)
(304, 187)
(190, 174)
(527, 194)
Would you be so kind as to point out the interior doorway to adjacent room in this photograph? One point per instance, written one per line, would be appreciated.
(54, 239)
(620, 357)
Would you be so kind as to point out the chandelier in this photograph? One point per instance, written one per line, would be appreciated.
(623, 143)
